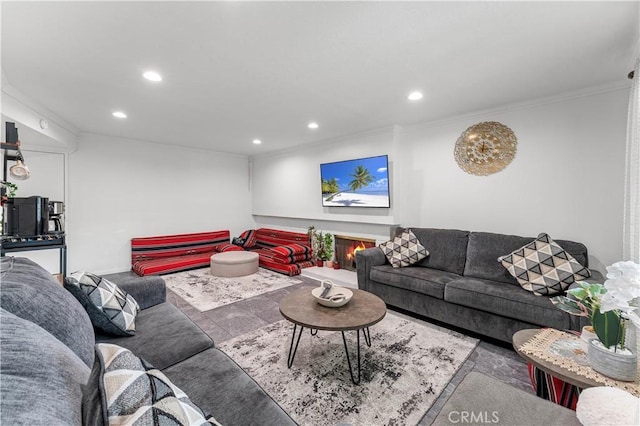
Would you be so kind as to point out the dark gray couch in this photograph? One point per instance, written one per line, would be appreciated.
(462, 283)
(48, 350)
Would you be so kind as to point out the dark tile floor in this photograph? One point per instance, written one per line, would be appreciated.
(232, 320)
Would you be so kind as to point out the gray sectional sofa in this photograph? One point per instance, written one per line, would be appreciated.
(48, 342)
(461, 283)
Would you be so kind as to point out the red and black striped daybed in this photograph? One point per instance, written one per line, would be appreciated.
(172, 253)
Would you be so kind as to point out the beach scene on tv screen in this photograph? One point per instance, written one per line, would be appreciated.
(356, 183)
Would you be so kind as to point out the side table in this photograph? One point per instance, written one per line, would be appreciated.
(549, 379)
(560, 381)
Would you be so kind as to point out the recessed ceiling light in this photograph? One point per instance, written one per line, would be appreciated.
(119, 114)
(415, 96)
(257, 141)
(152, 76)
(312, 125)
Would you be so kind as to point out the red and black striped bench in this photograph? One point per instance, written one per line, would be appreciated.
(172, 253)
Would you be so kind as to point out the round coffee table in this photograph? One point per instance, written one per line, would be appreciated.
(363, 310)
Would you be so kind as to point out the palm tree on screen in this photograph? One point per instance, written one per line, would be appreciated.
(330, 186)
(361, 178)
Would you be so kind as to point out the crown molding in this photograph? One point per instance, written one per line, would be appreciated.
(533, 103)
(167, 144)
(59, 136)
(391, 130)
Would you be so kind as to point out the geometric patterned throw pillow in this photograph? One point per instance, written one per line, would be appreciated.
(110, 309)
(404, 250)
(134, 392)
(543, 267)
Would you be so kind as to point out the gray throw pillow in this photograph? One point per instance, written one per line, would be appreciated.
(126, 388)
(40, 377)
(111, 309)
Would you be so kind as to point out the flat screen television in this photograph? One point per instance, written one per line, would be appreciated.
(363, 182)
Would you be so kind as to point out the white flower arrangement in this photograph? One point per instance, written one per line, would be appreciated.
(623, 290)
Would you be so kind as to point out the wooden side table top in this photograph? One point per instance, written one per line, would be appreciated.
(522, 336)
(363, 310)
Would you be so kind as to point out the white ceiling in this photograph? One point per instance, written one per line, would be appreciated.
(235, 71)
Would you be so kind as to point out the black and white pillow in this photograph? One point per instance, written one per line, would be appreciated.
(125, 389)
(404, 250)
(247, 239)
(110, 309)
(543, 267)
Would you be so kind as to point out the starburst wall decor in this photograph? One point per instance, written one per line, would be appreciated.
(485, 148)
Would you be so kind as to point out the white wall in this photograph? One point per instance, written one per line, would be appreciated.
(47, 175)
(286, 186)
(122, 188)
(566, 179)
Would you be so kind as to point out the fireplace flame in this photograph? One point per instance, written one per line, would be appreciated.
(355, 249)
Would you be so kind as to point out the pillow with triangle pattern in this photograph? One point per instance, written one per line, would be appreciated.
(404, 250)
(125, 389)
(110, 309)
(543, 267)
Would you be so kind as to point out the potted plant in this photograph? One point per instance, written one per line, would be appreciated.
(328, 250)
(11, 188)
(604, 305)
(322, 246)
(317, 239)
(623, 295)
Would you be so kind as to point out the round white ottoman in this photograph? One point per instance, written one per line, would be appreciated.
(234, 263)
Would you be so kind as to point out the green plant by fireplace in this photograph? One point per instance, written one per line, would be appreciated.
(321, 243)
(327, 254)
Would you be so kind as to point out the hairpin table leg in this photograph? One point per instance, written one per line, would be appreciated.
(346, 352)
(292, 350)
(367, 336)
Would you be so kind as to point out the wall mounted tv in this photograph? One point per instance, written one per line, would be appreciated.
(362, 182)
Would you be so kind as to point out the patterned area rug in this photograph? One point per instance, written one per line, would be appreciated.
(403, 372)
(205, 291)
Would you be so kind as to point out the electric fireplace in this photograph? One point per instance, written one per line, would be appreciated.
(346, 248)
